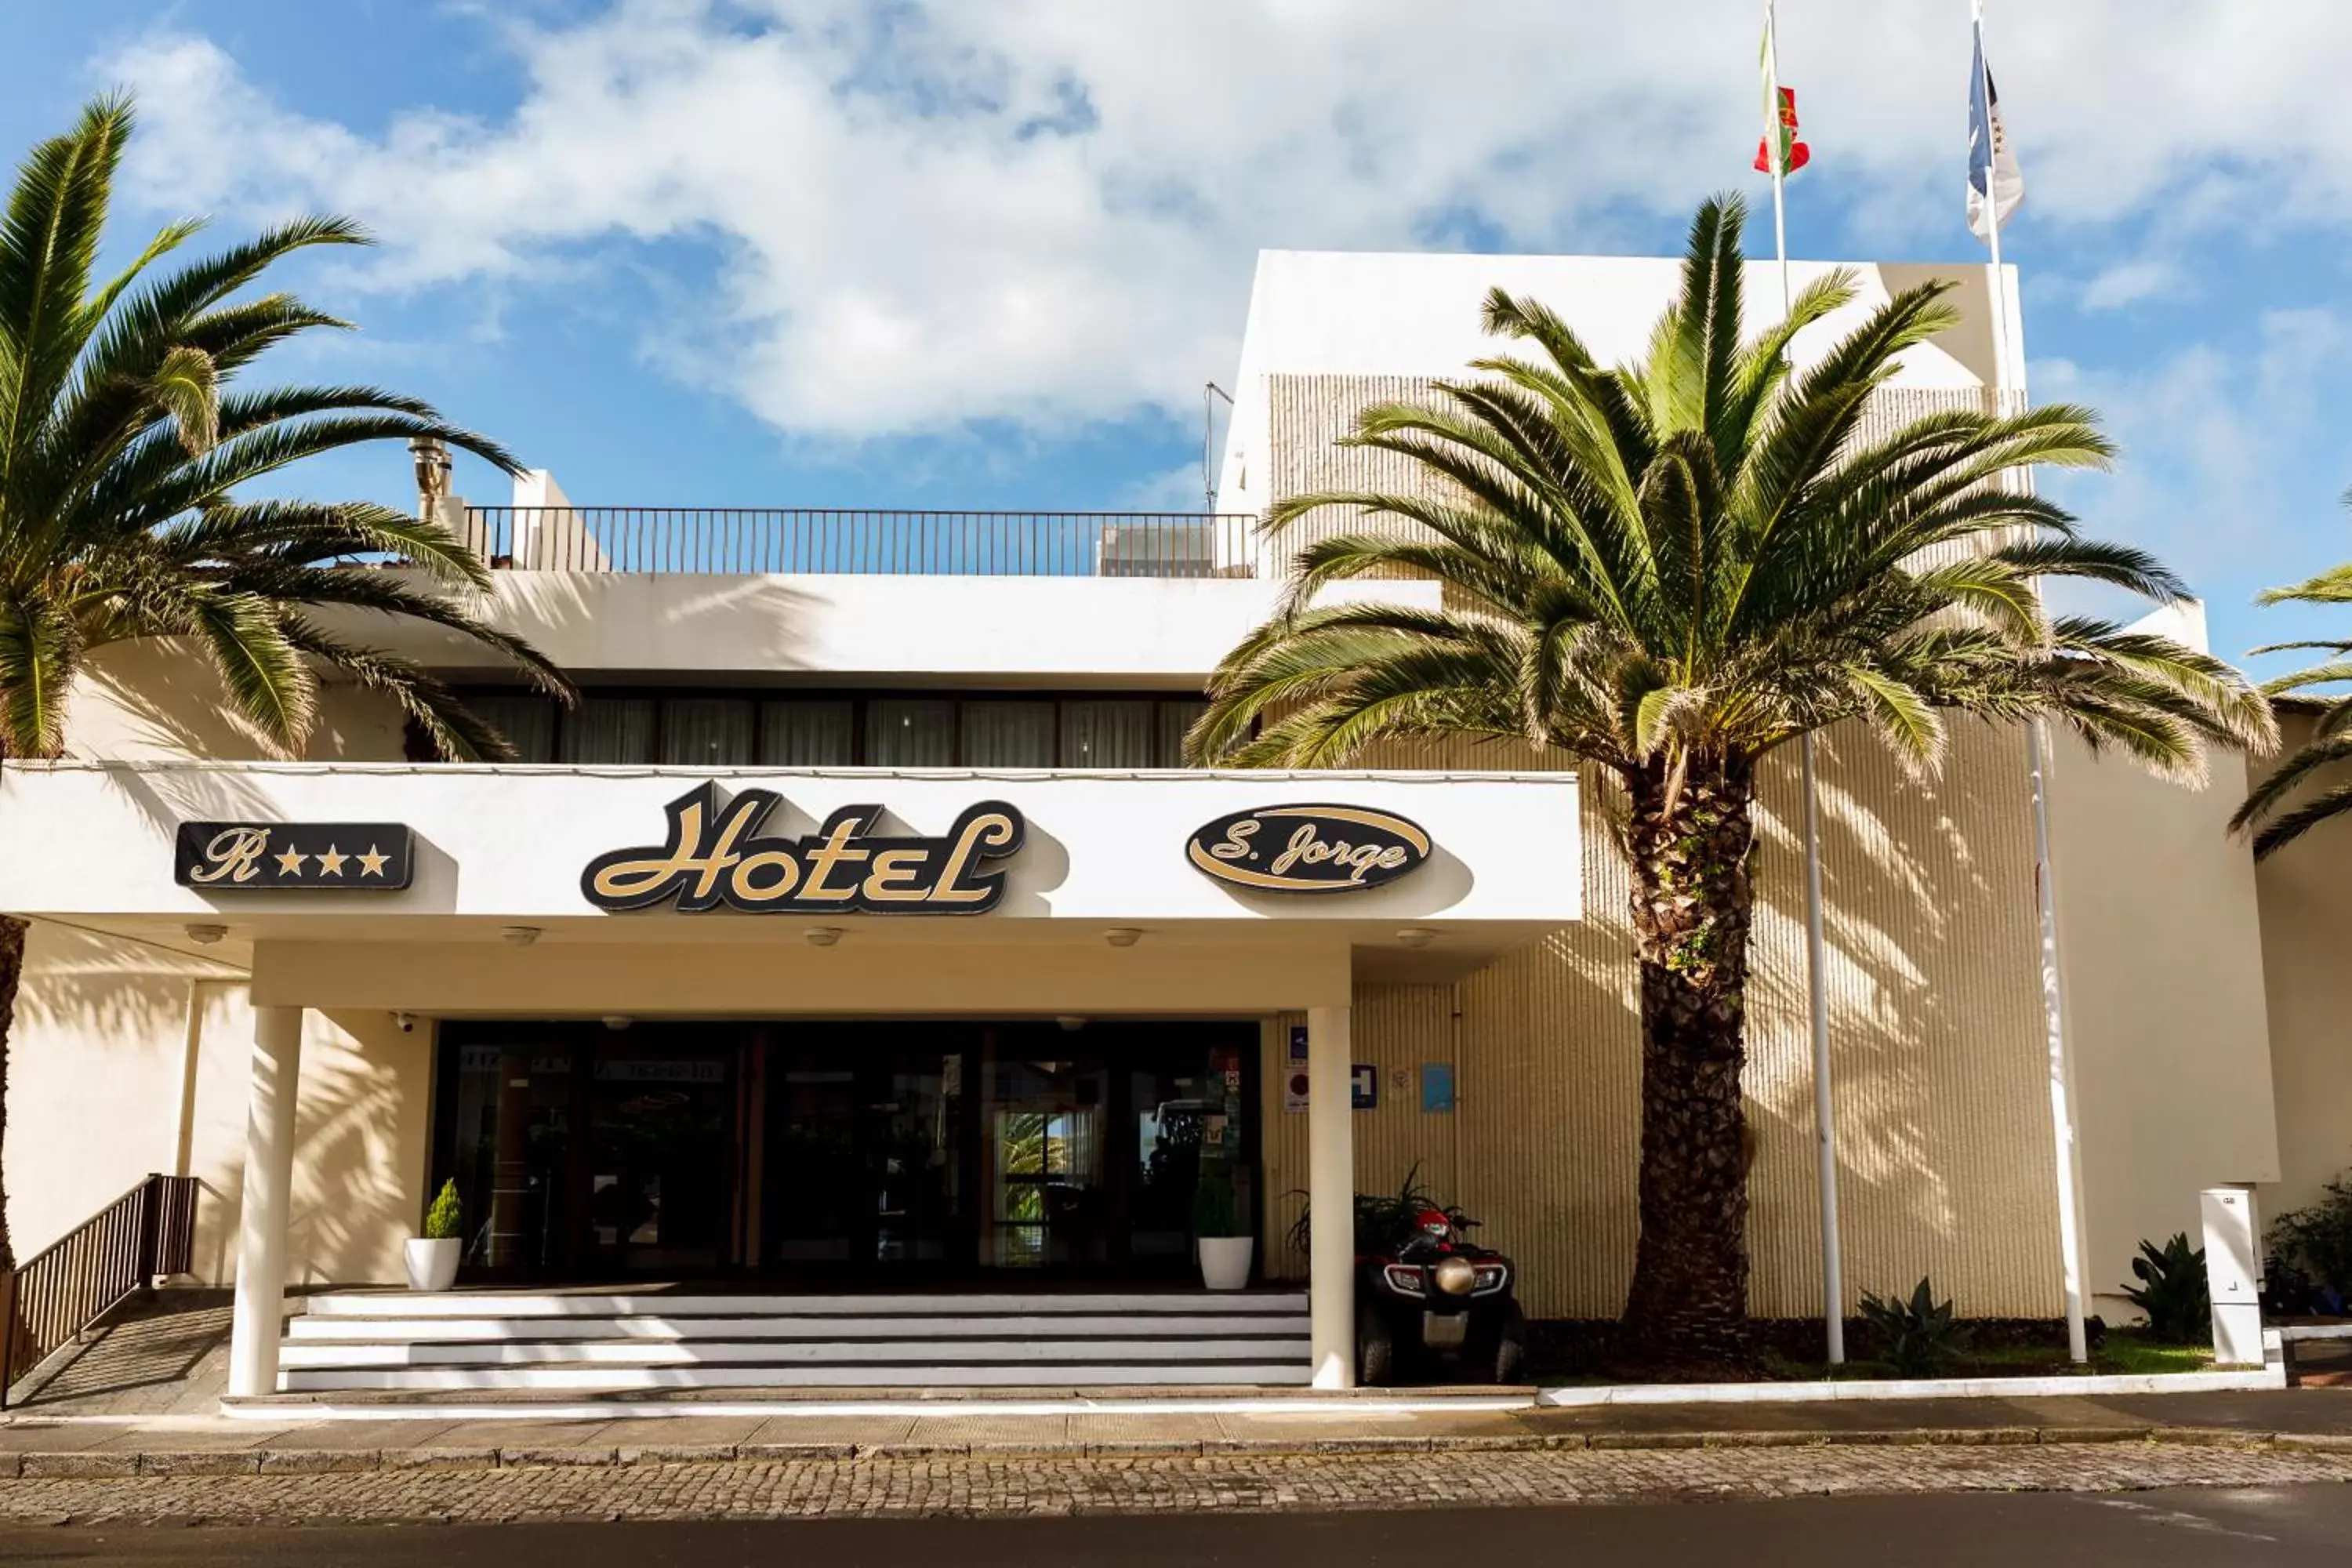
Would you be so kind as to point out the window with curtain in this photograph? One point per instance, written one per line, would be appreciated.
(903, 732)
(610, 729)
(1008, 735)
(1112, 735)
(794, 734)
(1175, 718)
(527, 723)
(706, 732)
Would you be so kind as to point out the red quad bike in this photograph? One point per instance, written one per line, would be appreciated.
(1427, 1294)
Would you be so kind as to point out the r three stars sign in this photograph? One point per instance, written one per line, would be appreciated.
(273, 856)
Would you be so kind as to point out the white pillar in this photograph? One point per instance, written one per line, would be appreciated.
(1330, 1199)
(268, 1193)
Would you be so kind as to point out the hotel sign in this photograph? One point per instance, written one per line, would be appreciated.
(715, 858)
(1308, 849)
(275, 857)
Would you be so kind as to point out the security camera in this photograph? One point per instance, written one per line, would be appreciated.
(405, 1022)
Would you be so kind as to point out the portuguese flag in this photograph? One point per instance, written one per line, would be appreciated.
(1780, 110)
(1794, 154)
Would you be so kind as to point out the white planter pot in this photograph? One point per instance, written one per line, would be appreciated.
(431, 1265)
(1225, 1261)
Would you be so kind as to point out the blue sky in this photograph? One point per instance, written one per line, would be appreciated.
(845, 252)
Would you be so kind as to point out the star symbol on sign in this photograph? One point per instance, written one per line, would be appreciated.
(372, 863)
(291, 862)
(330, 864)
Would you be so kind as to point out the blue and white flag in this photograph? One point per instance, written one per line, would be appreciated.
(1996, 184)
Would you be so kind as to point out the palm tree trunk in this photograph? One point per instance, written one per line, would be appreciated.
(12, 968)
(1688, 838)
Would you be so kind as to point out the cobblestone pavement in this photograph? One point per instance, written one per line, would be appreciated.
(914, 1485)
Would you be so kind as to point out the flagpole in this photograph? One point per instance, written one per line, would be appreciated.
(1816, 947)
(2038, 759)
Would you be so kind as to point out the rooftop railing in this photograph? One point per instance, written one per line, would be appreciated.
(732, 539)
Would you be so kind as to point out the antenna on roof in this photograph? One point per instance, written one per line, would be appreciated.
(1208, 428)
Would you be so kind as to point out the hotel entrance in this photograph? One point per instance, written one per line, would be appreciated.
(815, 1151)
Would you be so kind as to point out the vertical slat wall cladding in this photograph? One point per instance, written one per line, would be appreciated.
(1945, 1160)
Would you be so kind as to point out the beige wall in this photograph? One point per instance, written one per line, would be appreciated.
(1946, 1157)
(2161, 947)
(160, 699)
(128, 1059)
(2305, 895)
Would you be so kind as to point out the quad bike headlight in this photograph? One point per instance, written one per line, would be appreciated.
(1453, 1276)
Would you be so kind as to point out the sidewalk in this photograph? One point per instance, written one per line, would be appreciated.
(144, 1398)
(34, 1445)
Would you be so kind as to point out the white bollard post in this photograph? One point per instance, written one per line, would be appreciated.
(2233, 1273)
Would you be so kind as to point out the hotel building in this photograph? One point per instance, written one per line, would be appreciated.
(862, 940)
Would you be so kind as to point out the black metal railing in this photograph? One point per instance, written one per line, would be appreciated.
(59, 1293)
(922, 544)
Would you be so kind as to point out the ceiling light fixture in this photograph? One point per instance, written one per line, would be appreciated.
(1416, 936)
(206, 935)
(1122, 936)
(823, 936)
(519, 936)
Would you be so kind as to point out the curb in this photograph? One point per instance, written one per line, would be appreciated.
(219, 1462)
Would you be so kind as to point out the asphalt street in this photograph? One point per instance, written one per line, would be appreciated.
(2204, 1526)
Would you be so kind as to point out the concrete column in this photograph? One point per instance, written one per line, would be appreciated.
(1330, 1199)
(268, 1198)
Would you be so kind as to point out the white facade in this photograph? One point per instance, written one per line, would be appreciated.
(295, 1049)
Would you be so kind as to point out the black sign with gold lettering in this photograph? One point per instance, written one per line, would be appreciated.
(714, 858)
(1308, 849)
(273, 856)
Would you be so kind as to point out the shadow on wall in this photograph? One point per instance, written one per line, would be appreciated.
(96, 1074)
(1945, 1155)
(160, 699)
(360, 1149)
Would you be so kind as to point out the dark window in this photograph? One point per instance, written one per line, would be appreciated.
(887, 730)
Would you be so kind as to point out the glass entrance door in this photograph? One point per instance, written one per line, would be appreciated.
(805, 1149)
(869, 1139)
(661, 1107)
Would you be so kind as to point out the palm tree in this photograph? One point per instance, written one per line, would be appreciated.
(2331, 736)
(1670, 570)
(122, 446)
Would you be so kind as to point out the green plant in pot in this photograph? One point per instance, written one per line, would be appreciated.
(432, 1259)
(1224, 1239)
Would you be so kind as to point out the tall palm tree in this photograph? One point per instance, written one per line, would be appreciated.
(123, 439)
(1670, 570)
(2331, 736)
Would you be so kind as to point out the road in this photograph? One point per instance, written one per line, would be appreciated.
(2203, 1527)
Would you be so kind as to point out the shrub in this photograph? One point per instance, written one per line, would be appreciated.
(446, 1220)
(1385, 1220)
(2172, 1291)
(2309, 1253)
(1214, 1211)
(1920, 1336)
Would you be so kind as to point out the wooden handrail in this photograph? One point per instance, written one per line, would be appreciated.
(57, 1293)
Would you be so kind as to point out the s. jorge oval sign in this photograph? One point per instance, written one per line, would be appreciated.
(1308, 849)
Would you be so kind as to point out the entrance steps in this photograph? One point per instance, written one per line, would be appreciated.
(591, 1341)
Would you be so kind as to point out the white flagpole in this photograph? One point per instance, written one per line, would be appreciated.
(1816, 947)
(2037, 753)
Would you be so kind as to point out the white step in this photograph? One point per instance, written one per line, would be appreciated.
(593, 1304)
(313, 1329)
(939, 1351)
(586, 1341)
(579, 1379)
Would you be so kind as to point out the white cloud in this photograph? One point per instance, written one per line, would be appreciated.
(2216, 477)
(1046, 210)
(2132, 282)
